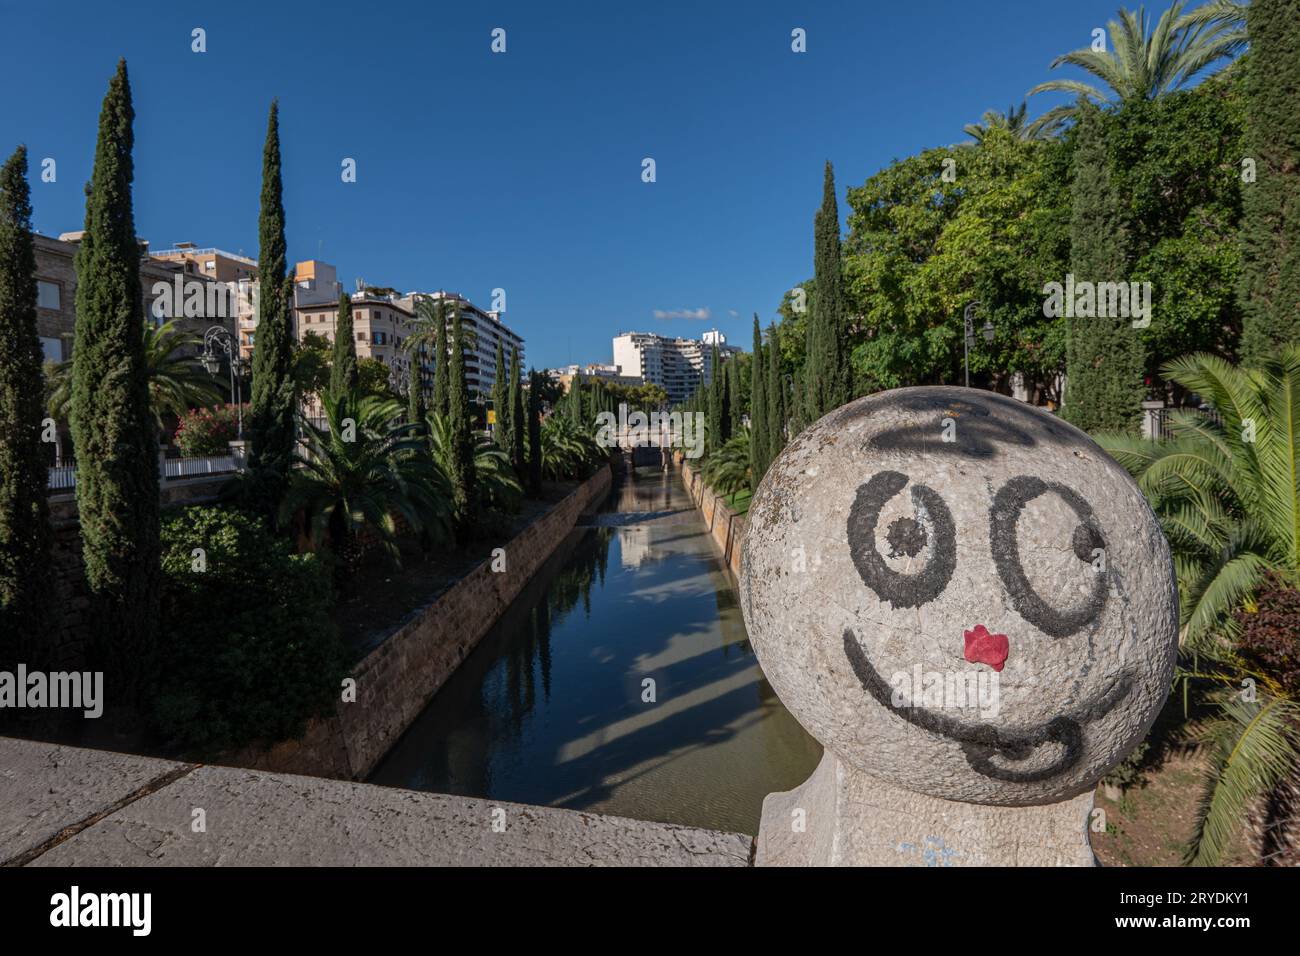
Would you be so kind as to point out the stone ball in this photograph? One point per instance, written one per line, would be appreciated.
(961, 594)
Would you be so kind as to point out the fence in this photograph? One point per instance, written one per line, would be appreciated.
(64, 477)
(1158, 426)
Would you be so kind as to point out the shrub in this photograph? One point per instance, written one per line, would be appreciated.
(1270, 633)
(250, 650)
(207, 431)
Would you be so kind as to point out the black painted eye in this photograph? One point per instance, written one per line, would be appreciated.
(906, 536)
(1008, 504)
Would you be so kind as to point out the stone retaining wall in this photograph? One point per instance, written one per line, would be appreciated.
(398, 678)
(726, 527)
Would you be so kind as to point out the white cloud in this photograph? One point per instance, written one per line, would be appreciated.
(701, 315)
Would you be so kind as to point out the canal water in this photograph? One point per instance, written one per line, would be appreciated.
(556, 706)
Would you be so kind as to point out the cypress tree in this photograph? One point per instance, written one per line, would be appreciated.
(775, 396)
(534, 434)
(714, 437)
(499, 404)
(1269, 290)
(518, 426)
(735, 398)
(274, 402)
(441, 370)
(415, 410)
(826, 369)
(462, 433)
(25, 536)
(1104, 356)
(758, 424)
(113, 431)
(344, 374)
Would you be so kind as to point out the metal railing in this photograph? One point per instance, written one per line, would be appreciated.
(64, 477)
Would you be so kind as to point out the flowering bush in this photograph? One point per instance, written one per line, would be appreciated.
(206, 431)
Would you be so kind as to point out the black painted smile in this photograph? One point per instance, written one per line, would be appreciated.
(981, 742)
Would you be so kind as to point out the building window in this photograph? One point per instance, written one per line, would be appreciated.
(47, 294)
(52, 349)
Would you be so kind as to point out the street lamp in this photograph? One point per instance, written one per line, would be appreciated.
(968, 318)
(218, 337)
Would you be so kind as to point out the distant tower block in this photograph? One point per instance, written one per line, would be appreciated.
(973, 609)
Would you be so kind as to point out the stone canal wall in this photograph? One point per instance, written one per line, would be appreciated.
(65, 806)
(396, 680)
(725, 526)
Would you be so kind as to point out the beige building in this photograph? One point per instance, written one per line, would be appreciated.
(593, 372)
(211, 263)
(56, 284)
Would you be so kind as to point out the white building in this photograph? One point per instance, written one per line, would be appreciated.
(482, 331)
(677, 365)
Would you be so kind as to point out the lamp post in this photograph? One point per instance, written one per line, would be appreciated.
(218, 337)
(968, 319)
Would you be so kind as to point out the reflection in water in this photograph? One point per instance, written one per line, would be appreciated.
(621, 680)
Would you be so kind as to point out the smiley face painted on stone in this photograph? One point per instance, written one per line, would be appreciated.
(961, 594)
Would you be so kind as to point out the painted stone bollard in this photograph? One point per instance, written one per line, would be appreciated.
(973, 609)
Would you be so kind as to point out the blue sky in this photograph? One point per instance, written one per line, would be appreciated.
(523, 170)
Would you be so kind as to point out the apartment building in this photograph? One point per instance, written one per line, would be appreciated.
(593, 371)
(677, 365)
(215, 264)
(56, 284)
(482, 331)
(380, 324)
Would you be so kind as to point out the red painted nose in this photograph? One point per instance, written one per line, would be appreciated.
(985, 648)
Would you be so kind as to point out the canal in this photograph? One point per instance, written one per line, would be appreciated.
(620, 681)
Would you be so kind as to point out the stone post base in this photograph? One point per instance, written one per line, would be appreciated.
(852, 819)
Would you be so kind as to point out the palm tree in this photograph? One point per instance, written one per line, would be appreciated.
(177, 382)
(567, 451)
(1013, 121)
(364, 471)
(1145, 63)
(727, 470)
(494, 476)
(1227, 494)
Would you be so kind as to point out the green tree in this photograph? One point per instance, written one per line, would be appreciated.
(1013, 121)
(728, 471)
(775, 395)
(112, 427)
(534, 433)
(500, 404)
(1104, 356)
(1142, 62)
(25, 537)
(713, 436)
(442, 366)
(462, 432)
(274, 398)
(758, 420)
(365, 470)
(518, 428)
(177, 383)
(415, 408)
(827, 368)
(1227, 494)
(1270, 236)
(735, 403)
(343, 363)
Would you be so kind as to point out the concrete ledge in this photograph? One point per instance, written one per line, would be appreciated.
(254, 818)
(47, 791)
